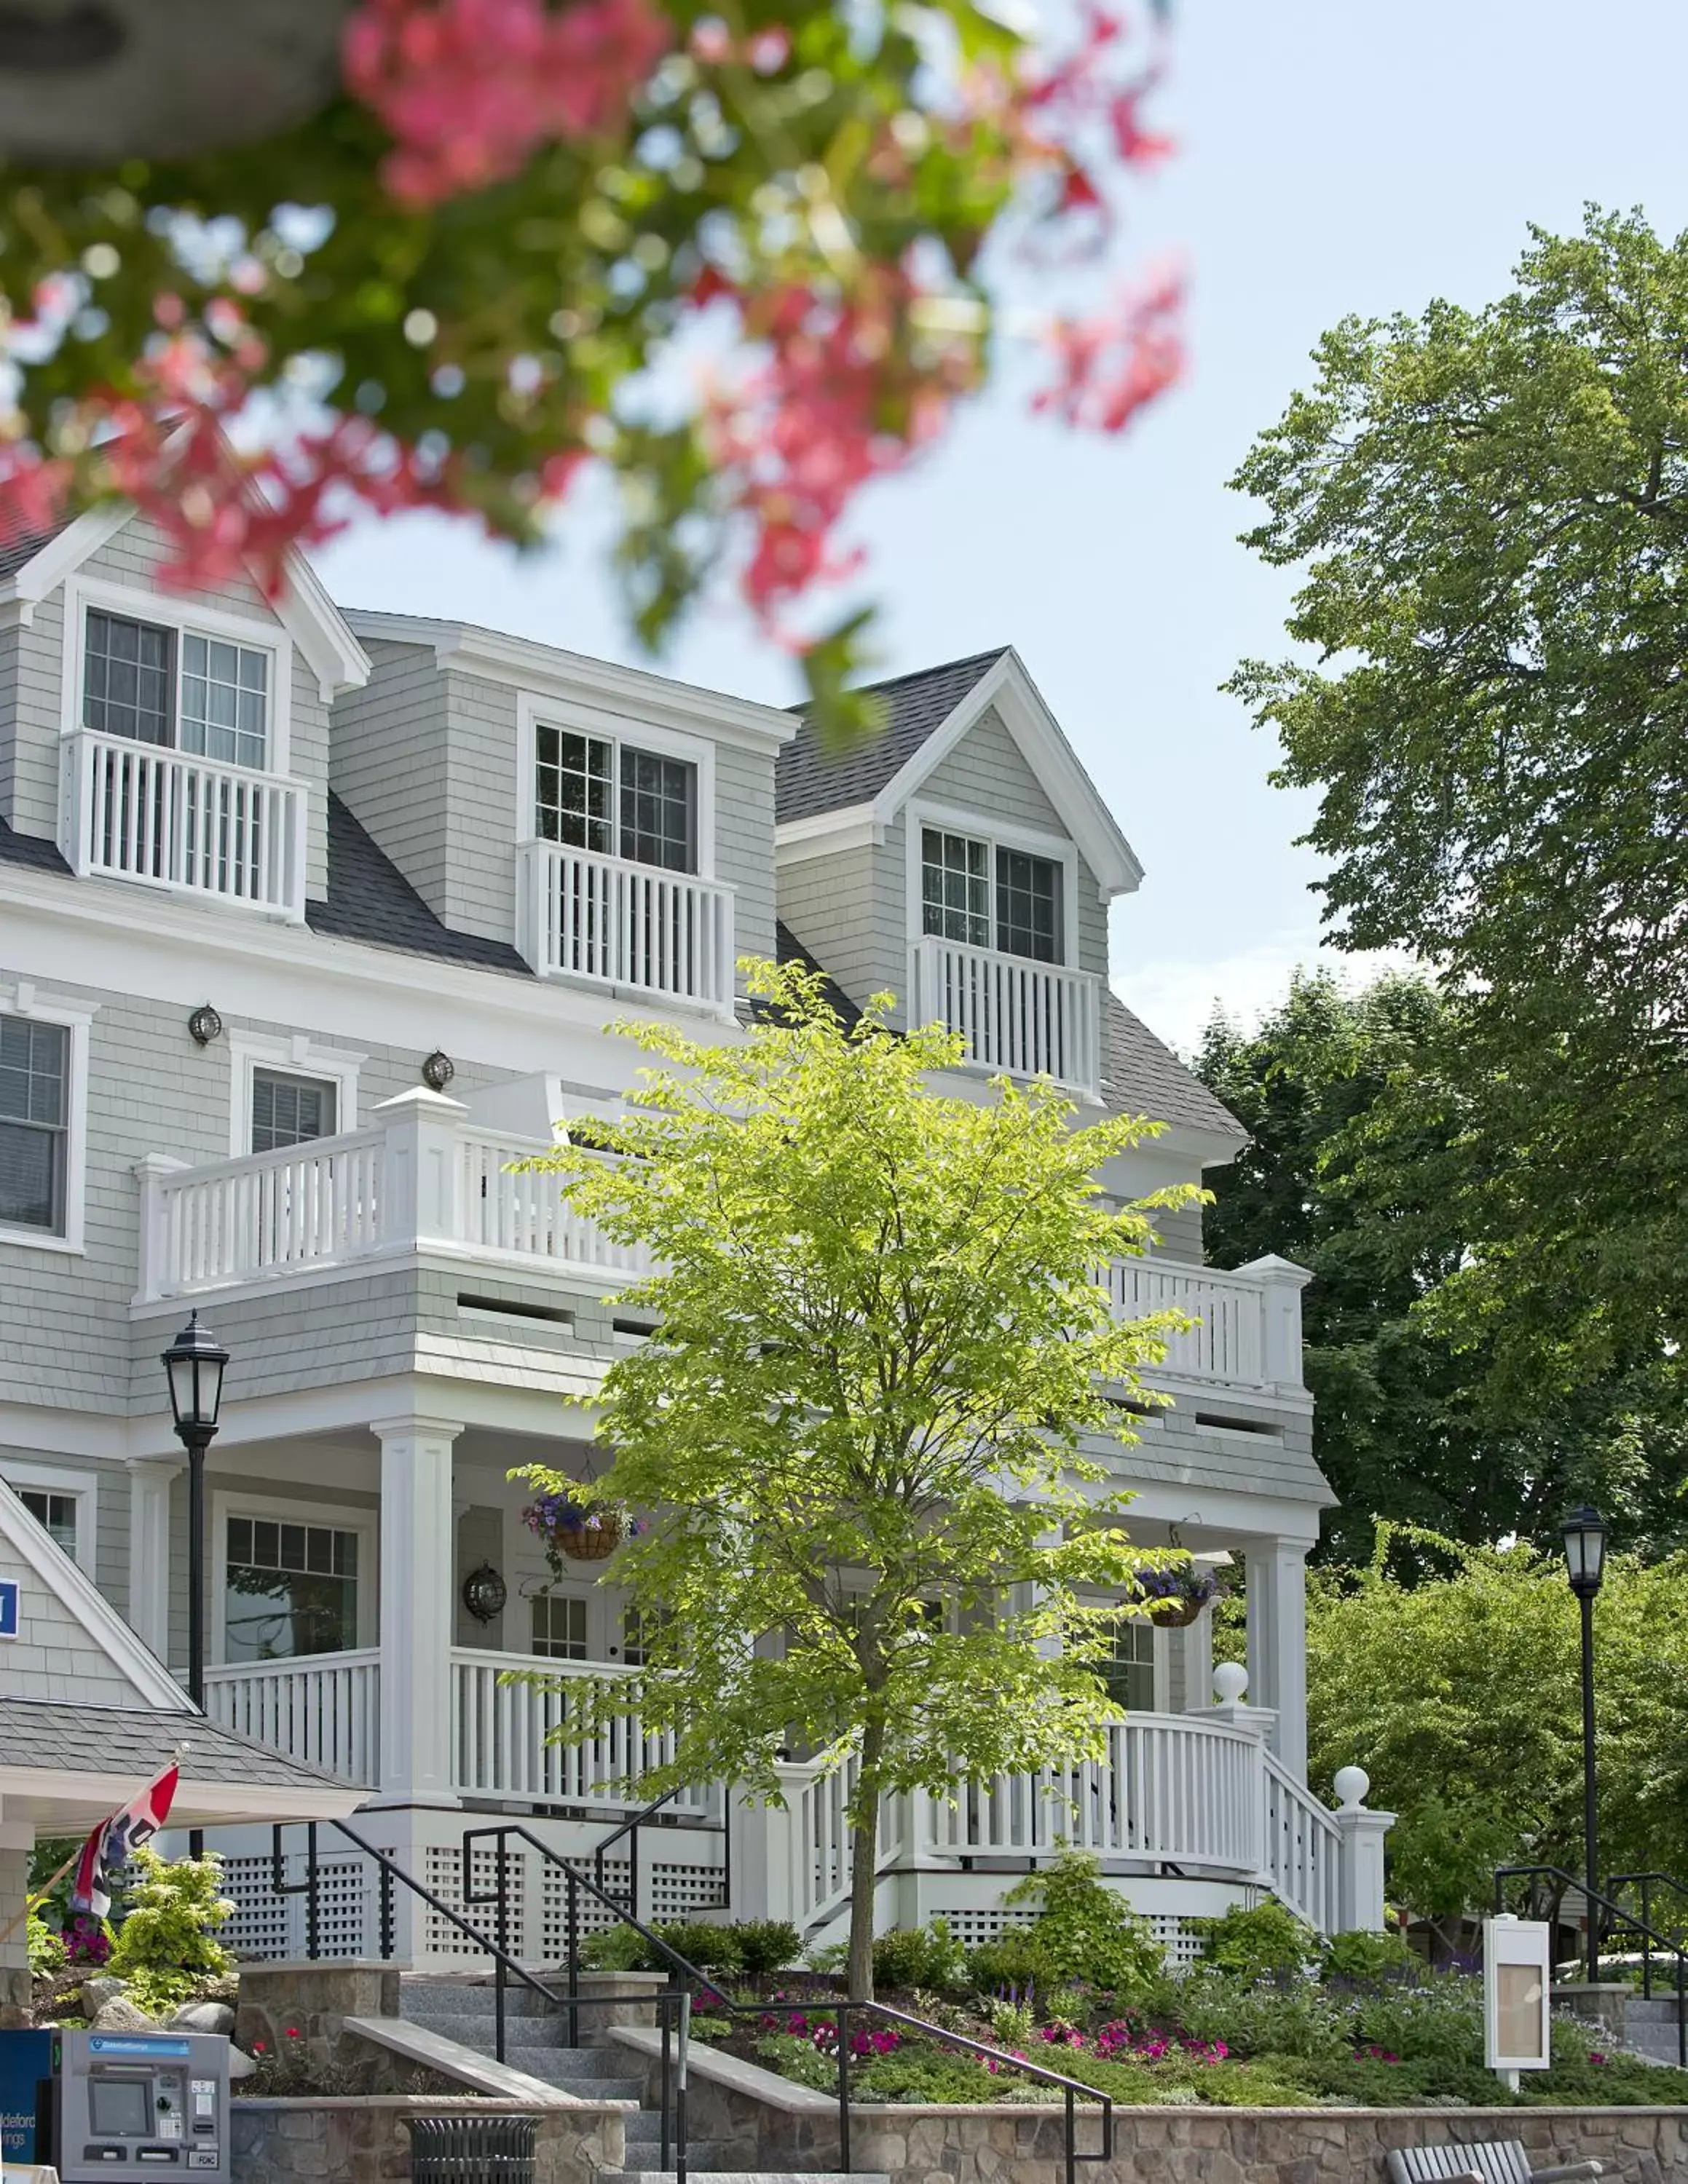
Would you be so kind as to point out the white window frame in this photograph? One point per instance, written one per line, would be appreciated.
(995, 834)
(184, 618)
(22, 1000)
(82, 1486)
(576, 719)
(297, 1055)
(363, 1522)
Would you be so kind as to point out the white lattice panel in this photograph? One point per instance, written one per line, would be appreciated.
(442, 1873)
(260, 1926)
(673, 1892)
(347, 1911)
(593, 1916)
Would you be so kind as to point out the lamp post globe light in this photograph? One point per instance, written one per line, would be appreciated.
(1583, 1533)
(194, 1367)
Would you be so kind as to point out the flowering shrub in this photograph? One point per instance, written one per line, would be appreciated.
(443, 290)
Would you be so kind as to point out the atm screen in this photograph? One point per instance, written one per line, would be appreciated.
(120, 2107)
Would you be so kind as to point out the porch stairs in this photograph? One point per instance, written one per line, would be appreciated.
(536, 2043)
(1649, 2028)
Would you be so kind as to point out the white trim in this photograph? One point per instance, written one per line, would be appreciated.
(23, 1000)
(995, 834)
(620, 729)
(46, 571)
(76, 1592)
(801, 841)
(186, 617)
(560, 677)
(228, 1502)
(28, 1473)
(297, 1056)
(201, 1796)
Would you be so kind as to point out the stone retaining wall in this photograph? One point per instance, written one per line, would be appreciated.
(364, 2141)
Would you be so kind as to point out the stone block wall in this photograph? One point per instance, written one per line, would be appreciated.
(364, 2141)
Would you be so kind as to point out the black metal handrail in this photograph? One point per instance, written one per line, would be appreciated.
(1595, 1903)
(1647, 1882)
(630, 1827)
(1074, 2089)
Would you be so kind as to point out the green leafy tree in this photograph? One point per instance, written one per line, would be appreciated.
(1358, 1106)
(857, 1431)
(1461, 1697)
(1491, 510)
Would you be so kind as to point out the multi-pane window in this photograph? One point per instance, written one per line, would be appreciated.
(560, 1626)
(56, 1514)
(203, 695)
(35, 1071)
(1129, 1673)
(290, 1589)
(591, 794)
(956, 896)
(1028, 907)
(225, 697)
(289, 1111)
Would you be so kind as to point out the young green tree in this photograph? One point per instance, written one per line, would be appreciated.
(1491, 510)
(1460, 1695)
(856, 1433)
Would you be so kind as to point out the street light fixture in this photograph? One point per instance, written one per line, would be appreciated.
(193, 1366)
(1583, 1533)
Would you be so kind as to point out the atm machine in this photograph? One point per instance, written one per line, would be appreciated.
(133, 2105)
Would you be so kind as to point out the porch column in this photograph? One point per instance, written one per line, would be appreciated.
(17, 1841)
(149, 1586)
(1277, 1643)
(416, 1607)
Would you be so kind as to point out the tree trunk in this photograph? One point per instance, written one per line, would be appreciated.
(863, 1862)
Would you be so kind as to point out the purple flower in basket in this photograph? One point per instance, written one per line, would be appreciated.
(1186, 1581)
(586, 1531)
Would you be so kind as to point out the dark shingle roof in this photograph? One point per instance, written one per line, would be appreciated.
(370, 899)
(85, 1739)
(808, 780)
(30, 850)
(1142, 1077)
(21, 547)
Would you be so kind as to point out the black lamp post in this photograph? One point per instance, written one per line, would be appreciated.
(1584, 1537)
(193, 1365)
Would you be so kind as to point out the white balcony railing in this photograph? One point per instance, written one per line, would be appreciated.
(617, 923)
(324, 1710)
(138, 811)
(500, 1736)
(1025, 1019)
(1228, 1343)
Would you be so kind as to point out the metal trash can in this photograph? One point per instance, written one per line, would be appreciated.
(471, 2149)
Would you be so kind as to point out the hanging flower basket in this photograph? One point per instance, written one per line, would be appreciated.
(1175, 1597)
(581, 1531)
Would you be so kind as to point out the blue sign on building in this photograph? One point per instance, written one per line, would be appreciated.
(8, 1608)
(26, 2058)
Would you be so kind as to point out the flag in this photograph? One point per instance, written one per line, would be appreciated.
(111, 1844)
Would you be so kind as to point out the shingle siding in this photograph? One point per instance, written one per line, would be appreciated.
(34, 724)
(387, 761)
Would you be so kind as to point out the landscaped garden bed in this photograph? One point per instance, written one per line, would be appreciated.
(1271, 2018)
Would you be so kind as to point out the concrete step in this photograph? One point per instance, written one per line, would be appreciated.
(480, 2031)
(431, 1998)
(553, 2065)
(1657, 2043)
(747, 2176)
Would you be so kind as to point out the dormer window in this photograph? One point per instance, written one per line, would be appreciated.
(183, 690)
(593, 792)
(1008, 900)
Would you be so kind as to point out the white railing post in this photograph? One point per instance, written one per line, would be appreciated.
(1281, 1284)
(416, 1617)
(156, 1270)
(1257, 1724)
(764, 1852)
(1361, 1832)
(420, 1177)
(1277, 1642)
(75, 804)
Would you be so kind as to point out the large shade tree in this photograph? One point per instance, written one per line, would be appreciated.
(740, 258)
(1490, 509)
(856, 1435)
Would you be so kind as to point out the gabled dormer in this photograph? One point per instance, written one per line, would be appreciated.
(174, 740)
(964, 860)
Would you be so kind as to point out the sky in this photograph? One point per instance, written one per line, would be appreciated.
(1334, 156)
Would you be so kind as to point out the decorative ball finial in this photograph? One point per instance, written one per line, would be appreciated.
(1230, 1681)
(1350, 1785)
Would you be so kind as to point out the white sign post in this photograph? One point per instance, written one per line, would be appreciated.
(1516, 1989)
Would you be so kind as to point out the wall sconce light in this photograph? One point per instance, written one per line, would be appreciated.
(204, 1025)
(484, 1593)
(438, 1071)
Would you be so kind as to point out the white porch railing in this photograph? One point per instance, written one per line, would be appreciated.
(500, 1734)
(138, 811)
(1303, 1849)
(580, 915)
(524, 1213)
(1228, 1344)
(1016, 1016)
(324, 1710)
